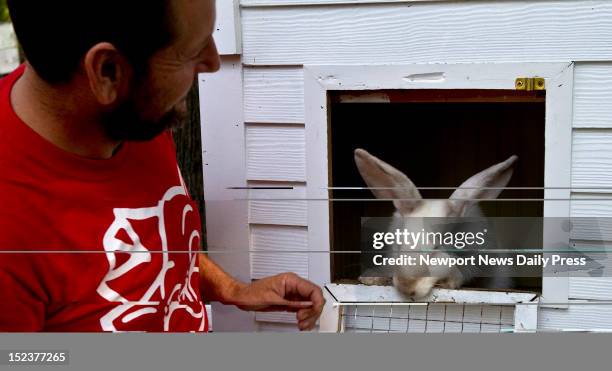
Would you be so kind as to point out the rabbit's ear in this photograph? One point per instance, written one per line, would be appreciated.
(497, 176)
(387, 182)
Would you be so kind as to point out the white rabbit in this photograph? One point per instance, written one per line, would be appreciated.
(386, 182)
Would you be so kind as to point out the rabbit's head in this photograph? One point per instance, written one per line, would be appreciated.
(386, 182)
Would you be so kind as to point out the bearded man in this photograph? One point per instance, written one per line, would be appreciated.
(97, 229)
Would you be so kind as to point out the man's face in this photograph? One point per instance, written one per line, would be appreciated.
(159, 99)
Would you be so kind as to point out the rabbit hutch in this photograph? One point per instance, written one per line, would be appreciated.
(438, 89)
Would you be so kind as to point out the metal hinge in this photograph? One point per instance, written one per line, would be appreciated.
(530, 83)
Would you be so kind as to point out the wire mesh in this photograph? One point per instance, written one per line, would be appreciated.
(430, 318)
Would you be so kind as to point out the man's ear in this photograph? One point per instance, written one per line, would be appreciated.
(108, 73)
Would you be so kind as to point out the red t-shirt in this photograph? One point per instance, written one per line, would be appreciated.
(94, 245)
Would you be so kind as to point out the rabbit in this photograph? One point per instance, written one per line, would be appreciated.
(386, 182)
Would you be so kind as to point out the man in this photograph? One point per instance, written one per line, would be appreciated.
(97, 230)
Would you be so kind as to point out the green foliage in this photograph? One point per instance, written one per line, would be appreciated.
(4, 13)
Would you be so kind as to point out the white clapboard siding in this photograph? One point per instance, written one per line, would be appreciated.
(278, 249)
(467, 31)
(592, 159)
(278, 206)
(281, 317)
(276, 153)
(276, 327)
(581, 286)
(274, 95)
(591, 216)
(591, 205)
(576, 317)
(599, 288)
(593, 95)
(595, 209)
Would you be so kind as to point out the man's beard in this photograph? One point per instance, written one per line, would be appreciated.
(126, 124)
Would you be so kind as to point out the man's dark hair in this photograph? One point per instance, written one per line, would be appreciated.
(56, 35)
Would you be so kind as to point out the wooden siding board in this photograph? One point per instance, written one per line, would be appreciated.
(278, 249)
(275, 153)
(429, 32)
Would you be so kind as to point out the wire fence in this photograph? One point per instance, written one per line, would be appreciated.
(430, 318)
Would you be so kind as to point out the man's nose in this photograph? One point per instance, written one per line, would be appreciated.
(212, 60)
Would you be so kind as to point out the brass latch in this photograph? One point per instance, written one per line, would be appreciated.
(530, 83)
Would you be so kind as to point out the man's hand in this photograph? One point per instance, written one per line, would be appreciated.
(284, 292)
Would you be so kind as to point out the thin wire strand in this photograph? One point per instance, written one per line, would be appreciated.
(500, 319)
(444, 321)
(538, 199)
(481, 319)
(372, 325)
(255, 188)
(390, 317)
(408, 322)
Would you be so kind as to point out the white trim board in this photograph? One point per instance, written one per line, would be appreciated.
(350, 294)
(226, 220)
(228, 32)
(434, 75)
(319, 79)
(468, 31)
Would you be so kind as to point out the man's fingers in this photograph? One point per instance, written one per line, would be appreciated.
(298, 304)
(301, 288)
(306, 289)
(307, 319)
(285, 306)
(307, 324)
(304, 314)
